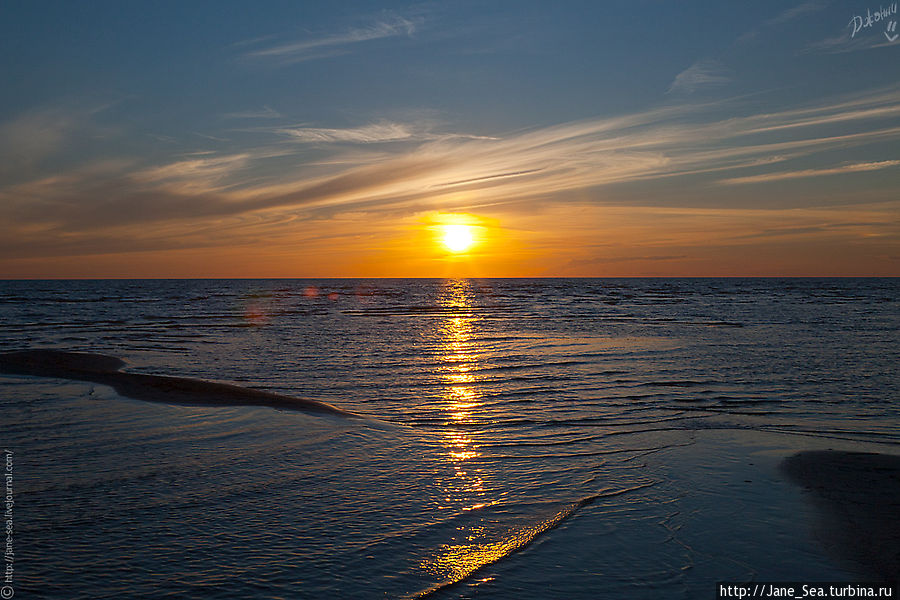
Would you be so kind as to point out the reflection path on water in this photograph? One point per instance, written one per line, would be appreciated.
(498, 503)
(476, 485)
(462, 395)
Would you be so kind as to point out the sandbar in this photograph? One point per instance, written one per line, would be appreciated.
(104, 369)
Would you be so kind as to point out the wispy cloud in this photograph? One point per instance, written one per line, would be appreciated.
(427, 170)
(196, 175)
(701, 75)
(372, 133)
(781, 18)
(366, 134)
(31, 138)
(794, 12)
(812, 118)
(335, 44)
(780, 176)
(843, 44)
(35, 135)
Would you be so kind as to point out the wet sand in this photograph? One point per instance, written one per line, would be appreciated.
(104, 369)
(857, 497)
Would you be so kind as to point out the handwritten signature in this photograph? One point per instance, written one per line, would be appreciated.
(858, 22)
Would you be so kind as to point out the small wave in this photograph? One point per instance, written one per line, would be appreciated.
(479, 556)
(684, 383)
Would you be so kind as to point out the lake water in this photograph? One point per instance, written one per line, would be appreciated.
(532, 438)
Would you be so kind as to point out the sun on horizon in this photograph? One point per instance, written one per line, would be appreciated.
(458, 238)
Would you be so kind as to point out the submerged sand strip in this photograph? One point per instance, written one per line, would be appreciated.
(103, 369)
(857, 495)
(472, 559)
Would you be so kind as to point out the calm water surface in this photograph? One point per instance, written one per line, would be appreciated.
(574, 438)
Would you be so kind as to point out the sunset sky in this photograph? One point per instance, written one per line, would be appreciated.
(316, 139)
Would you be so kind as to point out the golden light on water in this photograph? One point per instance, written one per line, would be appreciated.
(467, 490)
(458, 561)
(461, 396)
(459, 352)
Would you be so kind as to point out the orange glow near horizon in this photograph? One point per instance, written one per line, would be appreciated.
(551, 240)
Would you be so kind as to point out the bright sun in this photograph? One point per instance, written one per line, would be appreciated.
(458, 238)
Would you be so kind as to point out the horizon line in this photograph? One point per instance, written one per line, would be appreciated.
(452, 278)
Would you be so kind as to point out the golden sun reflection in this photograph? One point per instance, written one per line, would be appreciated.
(482, 547)
(475, 545)
(459, 357)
